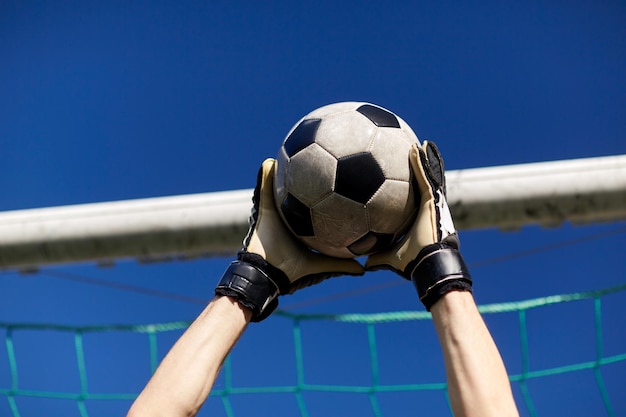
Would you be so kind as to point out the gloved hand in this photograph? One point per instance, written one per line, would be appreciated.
(272, 261)
(429, 252)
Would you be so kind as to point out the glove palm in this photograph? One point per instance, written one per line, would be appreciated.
(272, 261)
(428, 254)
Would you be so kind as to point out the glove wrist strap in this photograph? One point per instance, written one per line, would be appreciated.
(251, 287)
(439, 269)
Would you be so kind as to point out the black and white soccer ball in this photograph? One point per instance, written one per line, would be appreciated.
(343, 181)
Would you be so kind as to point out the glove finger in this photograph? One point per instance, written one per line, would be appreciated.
(421, 232)
(266, 178)
(264, 184)
(341, 266)
(395, 257)
(421, 167)
(434, 165)
(428, 169)
(390, 260)
(378, 260)
(308, 262)
(328, 268)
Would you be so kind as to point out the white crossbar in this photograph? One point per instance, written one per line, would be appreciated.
(211, 224)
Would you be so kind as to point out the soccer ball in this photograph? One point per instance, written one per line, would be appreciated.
(343, 182)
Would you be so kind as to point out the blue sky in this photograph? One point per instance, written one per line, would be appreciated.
(104, 101)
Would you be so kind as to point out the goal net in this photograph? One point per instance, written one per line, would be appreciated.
(361, 351)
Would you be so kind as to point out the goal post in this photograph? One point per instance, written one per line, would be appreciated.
(213, 224)
(581, 191)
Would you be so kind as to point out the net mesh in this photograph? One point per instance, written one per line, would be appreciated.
(227, 392)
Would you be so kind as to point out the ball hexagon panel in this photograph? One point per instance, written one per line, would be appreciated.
(412, 137)
(344, 134)
(391, 148)
(311, 187)
(386, 212)
(339, 221)
(358, 177)
(325, 111)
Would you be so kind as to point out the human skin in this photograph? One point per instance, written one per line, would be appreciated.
(184, 379)
(478, 384)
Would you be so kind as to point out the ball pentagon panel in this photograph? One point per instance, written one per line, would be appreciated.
(371, 242)
(379, 116)
(297, 215)
(302, 136)
(311, 174)
(358, 177)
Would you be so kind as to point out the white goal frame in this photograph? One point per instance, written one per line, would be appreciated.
(213, 224)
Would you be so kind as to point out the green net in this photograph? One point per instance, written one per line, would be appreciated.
(228, 393)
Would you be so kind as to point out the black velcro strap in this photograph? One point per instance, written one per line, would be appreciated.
(439, 269)
(277, 276)
(251, 287)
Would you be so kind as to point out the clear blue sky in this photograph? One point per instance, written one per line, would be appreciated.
(104, 101)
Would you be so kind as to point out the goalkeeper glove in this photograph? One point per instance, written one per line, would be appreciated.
(429, 252)
(272, 261)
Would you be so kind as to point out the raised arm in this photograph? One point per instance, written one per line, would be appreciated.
(478, 384)
(271, 263)
(429, 256)
(186, 375)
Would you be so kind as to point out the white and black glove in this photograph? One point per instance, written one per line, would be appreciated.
(429, 253)
(272, 261)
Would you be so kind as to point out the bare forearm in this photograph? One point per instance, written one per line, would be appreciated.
(186, 375)
(477, 380)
